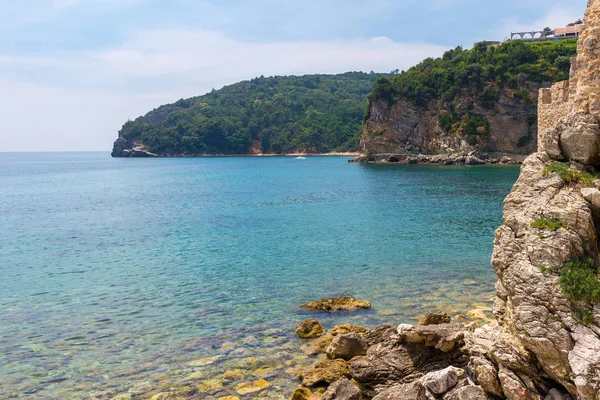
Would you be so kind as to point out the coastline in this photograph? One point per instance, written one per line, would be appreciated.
(472, 158)
(152, 155)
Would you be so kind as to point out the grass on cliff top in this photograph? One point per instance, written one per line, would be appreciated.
(548, 224)
(579, 280)
(570, 175)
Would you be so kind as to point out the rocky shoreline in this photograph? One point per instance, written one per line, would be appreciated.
(435, 359)
(472, 158)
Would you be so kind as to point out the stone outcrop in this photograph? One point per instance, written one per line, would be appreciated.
(127, 148)
(347, 346)
(337, 304)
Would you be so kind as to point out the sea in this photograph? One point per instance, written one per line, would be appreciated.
(126, 278)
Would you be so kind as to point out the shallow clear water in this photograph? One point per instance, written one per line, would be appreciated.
(118, 272)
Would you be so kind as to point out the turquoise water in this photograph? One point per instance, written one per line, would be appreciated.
(115, 273)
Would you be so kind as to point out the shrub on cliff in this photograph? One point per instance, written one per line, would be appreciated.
(484, 71)
(579, 280)
(569, 174)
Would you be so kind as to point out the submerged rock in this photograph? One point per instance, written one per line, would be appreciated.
(310, 328)
(337, 304)
(252, 387)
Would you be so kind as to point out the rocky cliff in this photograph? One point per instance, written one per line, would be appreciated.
(548, 290)
(404, 127)
(483, 99)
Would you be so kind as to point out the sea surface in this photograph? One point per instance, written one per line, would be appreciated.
(134, 276)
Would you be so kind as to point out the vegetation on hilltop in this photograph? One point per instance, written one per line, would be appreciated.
(483, 74)
(281, 114)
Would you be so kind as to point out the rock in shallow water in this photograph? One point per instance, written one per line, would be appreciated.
(301, 393)
(325, 372)
(309, 328)
(337, 304)
(435, 319)
(252, 387)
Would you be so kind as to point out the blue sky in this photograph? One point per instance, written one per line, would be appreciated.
(73, 71)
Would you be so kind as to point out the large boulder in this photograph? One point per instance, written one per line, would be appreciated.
(337, 304)
(439, 382)
(580, 139)
(309, 328)
(347, 346)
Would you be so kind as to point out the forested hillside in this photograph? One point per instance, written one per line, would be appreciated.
(314, 113)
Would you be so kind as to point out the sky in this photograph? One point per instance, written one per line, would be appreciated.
(73, 71)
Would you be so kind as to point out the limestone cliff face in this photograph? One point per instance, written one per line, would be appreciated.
(531, 305)
(403, 127)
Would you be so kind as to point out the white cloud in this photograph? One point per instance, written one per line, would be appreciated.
(154, 67)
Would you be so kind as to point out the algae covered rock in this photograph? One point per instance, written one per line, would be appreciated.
(337, 304)
(310, 328)
(326, 372)
(301, 393)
